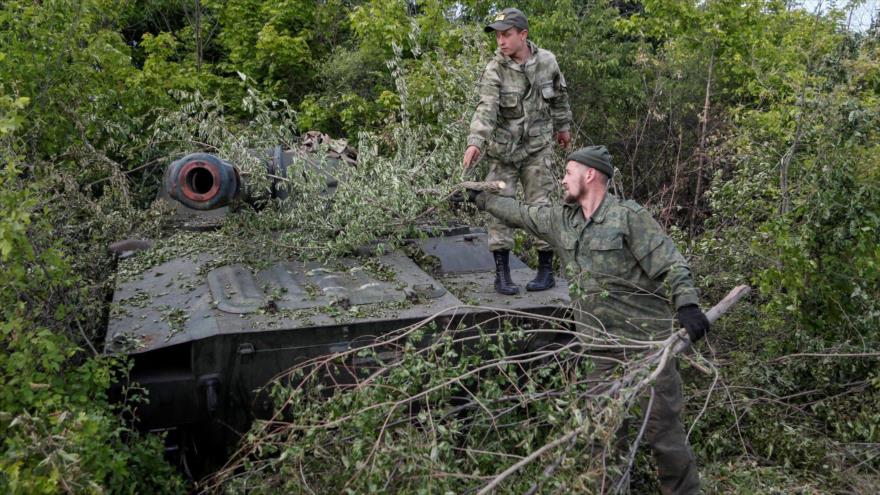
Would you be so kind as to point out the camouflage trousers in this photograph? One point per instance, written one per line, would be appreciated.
(664, 431)
(535, 172)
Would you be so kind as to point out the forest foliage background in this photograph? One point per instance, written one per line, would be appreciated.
(750, 128)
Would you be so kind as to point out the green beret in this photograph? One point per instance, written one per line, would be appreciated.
(597, 157)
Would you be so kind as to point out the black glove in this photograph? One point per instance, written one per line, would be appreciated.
(477, 197)
(694, 321)
(465, 196)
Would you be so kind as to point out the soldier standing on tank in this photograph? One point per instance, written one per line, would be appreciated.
(523, 102)
(628, 276)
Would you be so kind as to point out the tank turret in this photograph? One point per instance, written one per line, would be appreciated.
(206, 334)
(203, 182)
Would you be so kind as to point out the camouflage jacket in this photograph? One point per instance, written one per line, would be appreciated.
(520, 107)
(624, 270)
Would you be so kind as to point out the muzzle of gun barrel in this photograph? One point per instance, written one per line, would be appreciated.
(202, 181)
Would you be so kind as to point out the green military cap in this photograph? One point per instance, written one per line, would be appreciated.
(506, 19)
(597, 157)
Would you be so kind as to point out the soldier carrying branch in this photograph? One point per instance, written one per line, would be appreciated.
(627, 277)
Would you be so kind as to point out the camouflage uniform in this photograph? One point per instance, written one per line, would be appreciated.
(626, 269)
(520, 109)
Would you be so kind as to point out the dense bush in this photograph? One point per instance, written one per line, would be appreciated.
(749, 128)
(59, 431)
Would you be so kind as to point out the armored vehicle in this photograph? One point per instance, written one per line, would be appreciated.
(205, 338)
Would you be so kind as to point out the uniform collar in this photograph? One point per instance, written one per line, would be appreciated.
(577, 213)
(602, 210)
(533, 49)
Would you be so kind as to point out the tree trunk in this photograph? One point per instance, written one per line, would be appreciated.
(704, 123)
(198, 33)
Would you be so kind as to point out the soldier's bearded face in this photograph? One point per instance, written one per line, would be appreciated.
(573, 182)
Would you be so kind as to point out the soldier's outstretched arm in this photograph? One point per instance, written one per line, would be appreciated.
(660, 259)
(542, 221)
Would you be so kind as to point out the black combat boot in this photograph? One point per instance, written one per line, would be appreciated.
(503, 283)
(544, 278)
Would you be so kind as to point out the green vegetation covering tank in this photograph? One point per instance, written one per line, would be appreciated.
(206, 334)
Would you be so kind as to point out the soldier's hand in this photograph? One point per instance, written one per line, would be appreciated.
(563, 138)
(471, 154)
(694, 321)
(478, 198)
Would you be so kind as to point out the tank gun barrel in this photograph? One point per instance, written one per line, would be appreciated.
(202, 181)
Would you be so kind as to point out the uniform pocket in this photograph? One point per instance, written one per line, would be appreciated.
(510, 106)
(502, 136)
(540, 136)
(568, 246)
(606, 243)
(548, 91)
(538, 129)
(501, 142)
(609, 257)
